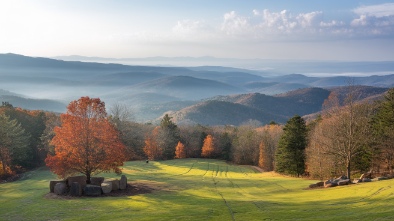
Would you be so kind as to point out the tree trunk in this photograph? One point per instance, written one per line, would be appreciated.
(88, 178)
(348, 168)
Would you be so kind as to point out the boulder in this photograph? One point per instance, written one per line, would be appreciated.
(115, 183)
(123, 182)
(357, 181)
(52, 184)
(76, 189)
(92, 190)
(330, 183)
(327, 182)
(106, 187)
(60, 188)
(79, 179)
(343, 182)
(96, 181)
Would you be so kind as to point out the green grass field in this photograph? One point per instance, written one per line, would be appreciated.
(200, 189)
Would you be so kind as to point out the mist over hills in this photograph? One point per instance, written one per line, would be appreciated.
(277, 67)
(204, 94)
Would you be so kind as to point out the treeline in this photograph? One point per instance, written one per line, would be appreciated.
(20, 139)
(348, 137)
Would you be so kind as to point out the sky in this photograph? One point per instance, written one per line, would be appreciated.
(361, 30)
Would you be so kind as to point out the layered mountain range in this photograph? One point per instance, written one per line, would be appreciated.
(209, 95)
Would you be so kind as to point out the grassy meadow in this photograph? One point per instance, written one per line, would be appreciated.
(200, 189)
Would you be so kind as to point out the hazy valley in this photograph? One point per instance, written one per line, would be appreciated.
(207, 95)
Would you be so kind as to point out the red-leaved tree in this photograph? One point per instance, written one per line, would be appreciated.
(86, 142)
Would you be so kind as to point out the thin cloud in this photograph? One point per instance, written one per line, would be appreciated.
(378, 11)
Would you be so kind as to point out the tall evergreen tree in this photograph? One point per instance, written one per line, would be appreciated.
(14, 144)
(169, 137)
(383, 127)
(290, 155)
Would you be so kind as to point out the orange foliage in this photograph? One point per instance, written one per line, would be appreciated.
(180, 150)
(208, 148)
(261, 155)
(152, 149)
(86, 142)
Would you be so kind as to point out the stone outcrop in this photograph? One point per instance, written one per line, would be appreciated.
(340, 181)
(52, 184)
(115, 183)
(60, 188)
(343, 182)
(92, 190)
(96, 181)
(316, 185)
(123, 182)
(79, 179)
(106, 187)
(76, 189)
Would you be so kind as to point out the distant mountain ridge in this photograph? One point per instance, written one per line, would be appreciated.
(152, 90)
(238, 109)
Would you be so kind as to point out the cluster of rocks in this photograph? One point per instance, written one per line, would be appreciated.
(77, 186)
(344, 180)
(340, 181)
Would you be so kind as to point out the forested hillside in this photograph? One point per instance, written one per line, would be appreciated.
(151, 91)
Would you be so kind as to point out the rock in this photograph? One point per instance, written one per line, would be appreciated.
(328, 185)
(320, 184)
(123, 182)
(75, 189)
(79, 179)
(60, 188)
(343, 182)
(96, 181)
(115, 183)
(92, 190)
(366, 180)
(52, 184)
(357, 181)
(106, 187)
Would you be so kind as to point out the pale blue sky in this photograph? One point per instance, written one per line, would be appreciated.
(289, 29)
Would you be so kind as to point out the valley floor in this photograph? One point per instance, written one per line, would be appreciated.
(200, 189)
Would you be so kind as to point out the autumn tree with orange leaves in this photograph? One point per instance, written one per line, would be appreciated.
(152, 148)
(208, 148)
(86, 142)
(180, 152)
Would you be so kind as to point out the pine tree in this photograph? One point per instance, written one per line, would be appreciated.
(383, 128)
(290, 155)
(14, 144)
(169, 137)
